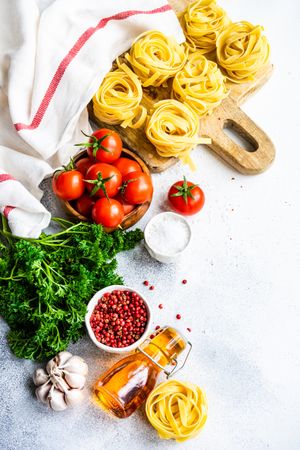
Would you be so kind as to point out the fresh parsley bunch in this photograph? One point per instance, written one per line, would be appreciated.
(45, 283)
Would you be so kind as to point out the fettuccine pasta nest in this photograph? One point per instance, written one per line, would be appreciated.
(173, 129)
(200, 84)
(177, 410)
(155, 57)
(242, 50)
(117, 101)
(202, 22)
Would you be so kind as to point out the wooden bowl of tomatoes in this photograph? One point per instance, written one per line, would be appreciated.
(105, 183)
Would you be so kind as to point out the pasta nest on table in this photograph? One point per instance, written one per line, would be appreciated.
(242, 50)
(202, 22)
(177, 410)
(200, 84)
(173, 129)
(118, 99)
(155, 57)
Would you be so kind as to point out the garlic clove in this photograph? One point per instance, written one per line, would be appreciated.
(56, 400)
(51, 366)
(42, 392)
(62, 357)
(40, 376)
(74, 380)
(76, 365)
(74, 396)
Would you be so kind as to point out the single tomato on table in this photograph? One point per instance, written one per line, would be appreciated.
(103, 180)
(84, 205)
(83, 165)
(137, 188)
(108, 212)
(127, 165)
(104, 145)
(186, 197)
(68, 184)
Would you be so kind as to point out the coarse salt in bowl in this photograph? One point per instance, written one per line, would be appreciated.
(167, 235)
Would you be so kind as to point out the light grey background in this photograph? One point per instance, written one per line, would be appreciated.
(241, 301)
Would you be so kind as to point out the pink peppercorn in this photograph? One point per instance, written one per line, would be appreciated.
(178, 316)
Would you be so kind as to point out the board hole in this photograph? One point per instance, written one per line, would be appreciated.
(240, 136)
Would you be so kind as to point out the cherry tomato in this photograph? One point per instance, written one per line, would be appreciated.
(104, 145)
(126, 165)
(126, 206)
(84, 205)
(108, 212)
(137, 188)
(68, 184)
(103, 180)
(83, 165)
(186, 198)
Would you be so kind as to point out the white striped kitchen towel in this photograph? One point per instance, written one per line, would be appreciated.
(52, 62)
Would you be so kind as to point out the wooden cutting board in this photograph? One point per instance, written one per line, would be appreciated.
(227, 115)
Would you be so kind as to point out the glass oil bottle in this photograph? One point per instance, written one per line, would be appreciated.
(127, 384)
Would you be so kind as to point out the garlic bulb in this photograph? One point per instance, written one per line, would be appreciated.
(61, 384)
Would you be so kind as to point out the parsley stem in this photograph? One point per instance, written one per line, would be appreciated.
(52, 236)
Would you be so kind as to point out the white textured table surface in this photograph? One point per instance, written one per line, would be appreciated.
(242, 299)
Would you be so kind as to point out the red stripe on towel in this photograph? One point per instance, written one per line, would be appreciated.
(71, 55)
(6, 177)
(7, 210)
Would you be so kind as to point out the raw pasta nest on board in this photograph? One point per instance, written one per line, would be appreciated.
(200, 84)
(155, 57)
(173, 129)
(202, 22)
(242, 50)
(118, 99)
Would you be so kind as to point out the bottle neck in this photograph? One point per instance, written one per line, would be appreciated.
(157, 354)
(165, 346)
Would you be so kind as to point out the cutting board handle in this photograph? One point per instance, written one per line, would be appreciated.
(229, 115)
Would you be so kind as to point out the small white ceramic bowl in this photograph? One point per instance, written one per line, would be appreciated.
(159, 255)
(90, 308)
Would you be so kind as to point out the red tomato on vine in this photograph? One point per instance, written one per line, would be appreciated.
(104, 145)
(137, 188)
(68, 183)
(103, 180)
(186, 197)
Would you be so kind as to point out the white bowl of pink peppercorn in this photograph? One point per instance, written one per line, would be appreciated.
(118, 319)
